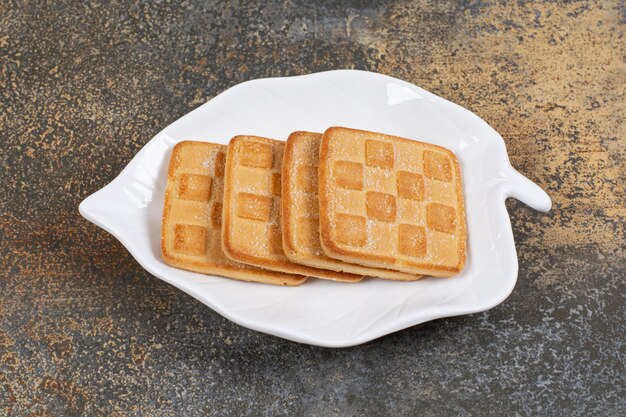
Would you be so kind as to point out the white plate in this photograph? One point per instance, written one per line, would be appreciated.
(321, 312)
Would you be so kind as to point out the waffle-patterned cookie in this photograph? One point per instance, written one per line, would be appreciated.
(300, 210)
(390, 202)
(252, 199)
(192, 216)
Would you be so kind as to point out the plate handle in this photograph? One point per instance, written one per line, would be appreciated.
(526, 191)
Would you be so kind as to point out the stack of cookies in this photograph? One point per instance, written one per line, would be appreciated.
(339, 206)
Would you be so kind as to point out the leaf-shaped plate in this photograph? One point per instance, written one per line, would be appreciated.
(321, 312)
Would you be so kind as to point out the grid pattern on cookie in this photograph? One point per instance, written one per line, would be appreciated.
(192, 216)
(254, 200)
(392, 199)
(301, 178)
(194, 203)
(300, 206)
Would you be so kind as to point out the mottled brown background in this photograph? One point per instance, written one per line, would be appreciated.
(85, 331)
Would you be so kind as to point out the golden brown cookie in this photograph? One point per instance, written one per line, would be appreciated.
(390, 202)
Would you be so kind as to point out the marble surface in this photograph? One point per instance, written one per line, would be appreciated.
(85, 331)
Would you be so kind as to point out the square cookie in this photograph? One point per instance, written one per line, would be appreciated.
(390, 202)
